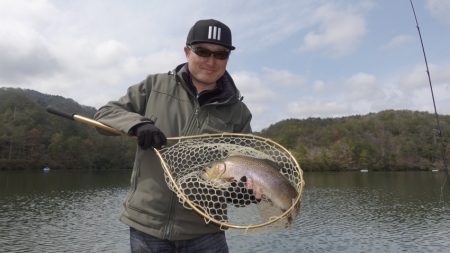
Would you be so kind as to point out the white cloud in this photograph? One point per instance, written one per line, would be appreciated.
(411, 90)
(399, 40)
(440, 9)
(363, 86)
(110, 51)
(31, 13)
(94, 82)
(415, 88)
(441, 75)
(64, 53)
(362, 93)
(319, 86)
(24, 50)
(358, 94)
(283, 77)
(263, 25)
(314, 107)
(259, 97)
(257, 93)
(339, 30)
(92, 51)
(416, 78)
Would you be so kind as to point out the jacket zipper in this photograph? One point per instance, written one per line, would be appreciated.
(196, 109)
(194, 122)
(196, 116)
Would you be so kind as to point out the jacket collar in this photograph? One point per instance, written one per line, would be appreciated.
(225, 90)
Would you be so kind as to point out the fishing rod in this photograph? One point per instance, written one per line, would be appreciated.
(439, 129)
(85, 120)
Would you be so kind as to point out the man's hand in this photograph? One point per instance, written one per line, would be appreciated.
(149, 136)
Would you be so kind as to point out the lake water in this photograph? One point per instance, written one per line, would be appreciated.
(76, 211)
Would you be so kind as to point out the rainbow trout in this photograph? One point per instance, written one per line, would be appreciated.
(265, 175)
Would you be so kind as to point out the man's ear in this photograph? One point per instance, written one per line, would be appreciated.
(186, 52)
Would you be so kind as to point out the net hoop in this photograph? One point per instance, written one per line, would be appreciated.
(175, 187)
(296, 181)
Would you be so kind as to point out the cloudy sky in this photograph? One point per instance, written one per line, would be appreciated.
(294, 58)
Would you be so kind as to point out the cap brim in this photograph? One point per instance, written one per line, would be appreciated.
(215, 43)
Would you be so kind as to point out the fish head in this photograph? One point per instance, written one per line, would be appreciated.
(214, 171)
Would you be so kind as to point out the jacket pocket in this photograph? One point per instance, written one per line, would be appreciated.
(133, 182)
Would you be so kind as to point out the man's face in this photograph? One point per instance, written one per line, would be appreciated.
(205, 71)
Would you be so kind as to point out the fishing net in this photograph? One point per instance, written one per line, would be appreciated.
(229, 203)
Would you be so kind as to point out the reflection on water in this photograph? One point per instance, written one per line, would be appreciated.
(62, 212)
(374, 212)
(341, 212)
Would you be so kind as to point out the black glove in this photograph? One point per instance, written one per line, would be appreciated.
(149, 136)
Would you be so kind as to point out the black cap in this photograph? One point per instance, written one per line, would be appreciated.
(210, 31)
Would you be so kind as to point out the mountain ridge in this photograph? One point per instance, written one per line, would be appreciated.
(386, 140)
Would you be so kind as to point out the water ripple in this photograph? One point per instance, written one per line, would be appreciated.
(80, 221)
(339, 213)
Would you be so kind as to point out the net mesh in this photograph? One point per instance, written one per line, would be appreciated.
(222, 202)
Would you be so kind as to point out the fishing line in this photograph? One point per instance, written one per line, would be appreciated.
(439, 129)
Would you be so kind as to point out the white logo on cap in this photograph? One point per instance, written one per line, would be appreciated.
(214, 32)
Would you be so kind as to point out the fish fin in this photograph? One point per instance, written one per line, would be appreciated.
(228, 179)
(272, 163)
(290, 218)
(267, 208)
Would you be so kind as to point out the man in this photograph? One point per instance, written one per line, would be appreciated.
(196, 97)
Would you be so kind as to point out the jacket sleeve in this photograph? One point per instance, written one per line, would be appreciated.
(128, 111)
(247, 118)
(247, 127)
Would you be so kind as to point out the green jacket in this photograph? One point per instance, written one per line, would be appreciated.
(169, 101)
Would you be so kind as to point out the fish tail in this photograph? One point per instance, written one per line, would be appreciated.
(290, 218)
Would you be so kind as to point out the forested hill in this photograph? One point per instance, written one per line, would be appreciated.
(388, 140)
(44, 100)
(31, 138)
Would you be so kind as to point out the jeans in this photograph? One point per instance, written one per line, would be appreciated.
(211, 243)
